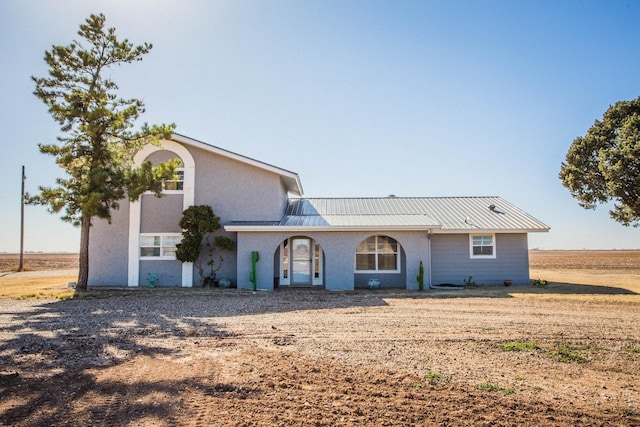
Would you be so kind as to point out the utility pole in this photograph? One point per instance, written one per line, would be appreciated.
(21, 263)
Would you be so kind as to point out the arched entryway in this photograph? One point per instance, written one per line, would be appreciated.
(300, 262)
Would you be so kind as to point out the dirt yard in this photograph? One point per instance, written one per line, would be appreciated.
(567, 354)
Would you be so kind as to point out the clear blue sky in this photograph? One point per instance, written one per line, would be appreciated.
(361, 98)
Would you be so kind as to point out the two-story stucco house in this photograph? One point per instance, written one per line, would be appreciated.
(334, 243)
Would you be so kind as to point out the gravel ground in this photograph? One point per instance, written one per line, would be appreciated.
(300, 357)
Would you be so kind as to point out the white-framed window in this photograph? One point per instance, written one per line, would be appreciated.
(378, 253)
(159, 245)
(175, 185)
(482, 245)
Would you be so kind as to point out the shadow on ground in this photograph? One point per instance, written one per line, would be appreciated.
(48, 363)
(552, 288)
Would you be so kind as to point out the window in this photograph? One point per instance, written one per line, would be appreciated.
(159, 246)
(176, 184)
(378, 253)
(316, 261)
(482, 246)
(285, 259)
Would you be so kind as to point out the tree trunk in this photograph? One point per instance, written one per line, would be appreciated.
(83, 273)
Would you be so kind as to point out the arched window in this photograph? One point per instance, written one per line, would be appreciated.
(378, 253)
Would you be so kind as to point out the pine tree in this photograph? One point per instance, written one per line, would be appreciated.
(98, 141)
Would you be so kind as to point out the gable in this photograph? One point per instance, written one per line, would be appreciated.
(290, 180)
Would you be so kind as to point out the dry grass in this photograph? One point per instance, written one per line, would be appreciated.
(36, 286)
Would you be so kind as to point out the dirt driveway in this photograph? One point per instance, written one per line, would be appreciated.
(498, 356)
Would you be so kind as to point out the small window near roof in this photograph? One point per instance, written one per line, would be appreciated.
(482, 245)
(176, 184)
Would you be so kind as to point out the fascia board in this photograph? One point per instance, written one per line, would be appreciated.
(491, 230)
(275, 228)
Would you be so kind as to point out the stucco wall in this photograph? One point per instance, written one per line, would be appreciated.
(339, 257)
(160, 214)
(169, 272)
(237, 191)
(451, 262)
(108, 249)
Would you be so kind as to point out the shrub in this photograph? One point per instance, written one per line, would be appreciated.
(540, 283)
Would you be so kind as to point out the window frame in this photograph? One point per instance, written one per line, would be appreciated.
(376, 254)
(483, 256)
(162, 246)
(180, 172)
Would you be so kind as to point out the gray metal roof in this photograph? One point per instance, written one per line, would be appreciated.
(453, 214)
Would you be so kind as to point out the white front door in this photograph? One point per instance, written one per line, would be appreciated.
(301, 261)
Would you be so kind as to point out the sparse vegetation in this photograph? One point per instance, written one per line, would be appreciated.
(495, 388)
(519, 346)
(435, 376)
(566, 353)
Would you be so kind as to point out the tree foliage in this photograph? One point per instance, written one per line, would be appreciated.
(604, 165)
(197, 223)
(98, 141)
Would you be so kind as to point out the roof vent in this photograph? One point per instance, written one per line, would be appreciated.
(393, 196)
(492, 207)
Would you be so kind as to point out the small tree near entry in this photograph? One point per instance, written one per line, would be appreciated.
(197, 223)
(219, 243)
(97, 149)
(604, 165)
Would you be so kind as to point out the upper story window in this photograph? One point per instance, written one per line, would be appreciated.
(176, 184)
(482, 245)
(378, 253)
(159, 246)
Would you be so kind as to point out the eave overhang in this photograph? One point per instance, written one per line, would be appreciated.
(436, 229)
(309, 229)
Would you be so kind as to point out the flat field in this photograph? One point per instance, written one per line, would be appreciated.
(38, 262)
(567, 354)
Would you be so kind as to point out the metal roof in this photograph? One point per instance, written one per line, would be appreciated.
(449, 214)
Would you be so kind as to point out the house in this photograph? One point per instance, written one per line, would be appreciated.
(334, 243)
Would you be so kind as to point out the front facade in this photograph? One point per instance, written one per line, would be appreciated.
(333, 243)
